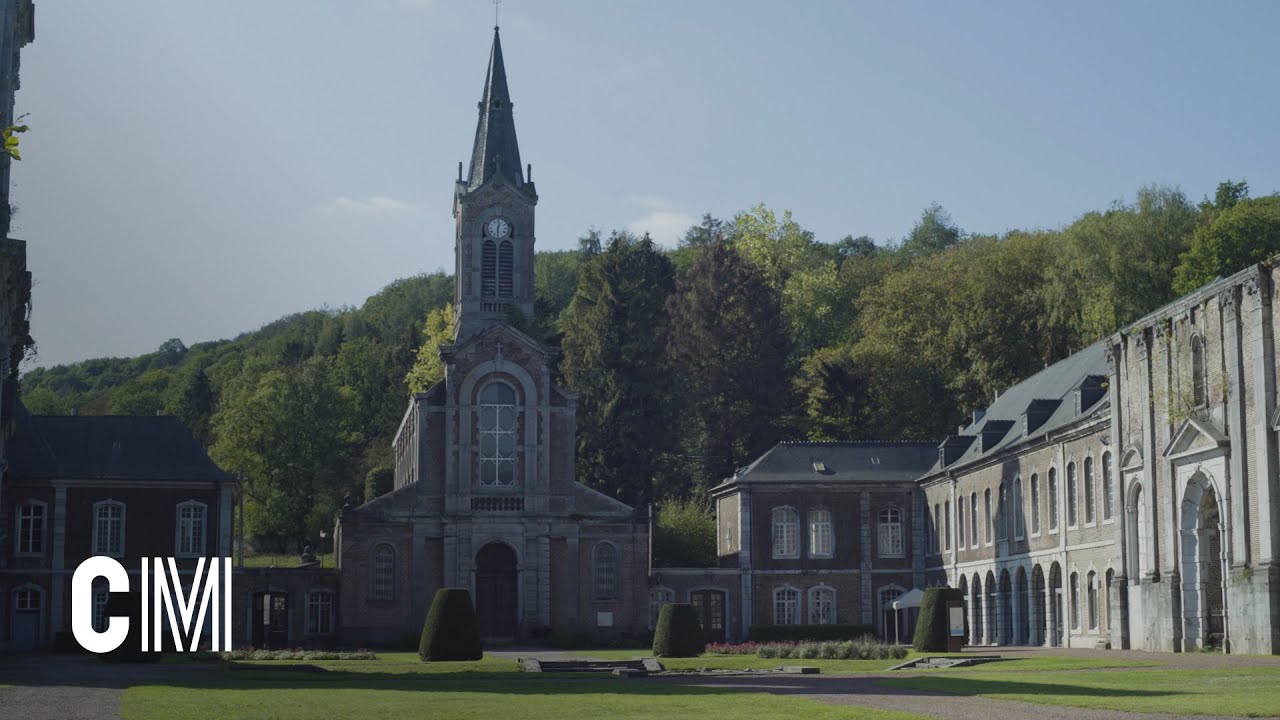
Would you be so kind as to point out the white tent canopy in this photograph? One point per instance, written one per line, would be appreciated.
(909, 599)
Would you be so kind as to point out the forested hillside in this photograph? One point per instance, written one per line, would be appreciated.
(688, 362)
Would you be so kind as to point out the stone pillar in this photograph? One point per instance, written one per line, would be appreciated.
(1050, 613)
(864, 538)
(571, 575)
(1264, 398)
(1235, 510)
(988, 629)
(973, 619)
(1002, 631)
(1034, 630)
(1015, 637)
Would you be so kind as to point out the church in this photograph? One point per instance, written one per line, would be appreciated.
(485, 496)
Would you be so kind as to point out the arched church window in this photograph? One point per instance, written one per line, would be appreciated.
(505, 269)
(489, 269)
(497, 435)
(606, 572)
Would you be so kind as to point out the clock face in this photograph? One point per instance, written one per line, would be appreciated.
(498, 228)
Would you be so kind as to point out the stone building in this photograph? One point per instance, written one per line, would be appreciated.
(485, 496)
(815, 533)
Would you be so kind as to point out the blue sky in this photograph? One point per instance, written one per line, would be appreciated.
(197, 170)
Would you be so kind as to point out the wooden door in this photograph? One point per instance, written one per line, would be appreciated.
(710, 605)
(271, 620)
(27, 606)
(496, 596)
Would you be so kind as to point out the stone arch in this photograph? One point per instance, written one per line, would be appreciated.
(528, 416)
(1055, 620)
(1021, 608)
(1203, 595)
(497, 589)
(1138, 532)
(1038, 609)
(990, 618)
(976, 602)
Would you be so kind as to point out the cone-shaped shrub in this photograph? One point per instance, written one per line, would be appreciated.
(451, 631)
(931, 627)
(679, 634)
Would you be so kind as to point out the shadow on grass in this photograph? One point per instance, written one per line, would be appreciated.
(973, 686)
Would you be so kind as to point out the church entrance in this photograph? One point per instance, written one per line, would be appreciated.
(496, 591)
(710, 607)
(1204, 612)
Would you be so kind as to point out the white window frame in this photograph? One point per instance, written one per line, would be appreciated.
(1089, 492)
(181, 533)
(816, 601)
(786, 594)
(1053, 501)
(605, 563)
(988, 524)
(1019, 510)
(962, 532)
(1091, 594)
(1036, 525)
(25, 513)
(101, 596)
(1108, 489)
(1075, 600)
(97, 545)
(976, 538)
(377, 591)
(489, 465)
(890, 542)
(785, 521)
(321, 598)
(1073, 499)
(822, 540)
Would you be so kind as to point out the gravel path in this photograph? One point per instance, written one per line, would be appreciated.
(74, 687)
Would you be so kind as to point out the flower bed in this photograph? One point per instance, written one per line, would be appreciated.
(252, 653)
(863, 649)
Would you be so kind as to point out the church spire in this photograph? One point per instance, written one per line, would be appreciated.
(495, 151)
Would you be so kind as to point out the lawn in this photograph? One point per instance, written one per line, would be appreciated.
(1249, 692)
(745, 662)
(399, 686)
(286, 560)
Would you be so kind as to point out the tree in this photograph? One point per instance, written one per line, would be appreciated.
(684, 534)
(934, 232)
(615, 337)
(678, 632)
(451, 631)
(191, 399)
(1243, 231)
(836, 395)
(730, 351)
(589, 245)
(779, 248)
(428, 368)
(291, 431)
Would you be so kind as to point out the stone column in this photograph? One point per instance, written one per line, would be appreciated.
(1002, 631)
(988, 629)
(973, 619)
(1050, 611)
(1034, 636)
(1015, 638)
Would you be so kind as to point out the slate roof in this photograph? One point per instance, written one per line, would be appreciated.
(1045, 402)
(840, 462)
(114, 446)
(495, 150)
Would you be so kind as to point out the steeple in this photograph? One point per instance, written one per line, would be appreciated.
(495, 151)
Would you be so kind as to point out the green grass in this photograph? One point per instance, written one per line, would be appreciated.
(283, 561)
(1249, 691)
(399, 686)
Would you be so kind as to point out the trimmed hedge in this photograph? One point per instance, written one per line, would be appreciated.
(931, 627)
(451, 631)
(809, 633)
(679, 633)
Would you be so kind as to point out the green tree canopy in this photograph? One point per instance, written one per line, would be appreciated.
(1245, 231)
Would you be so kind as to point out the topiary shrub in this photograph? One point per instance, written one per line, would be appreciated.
(679, 634)
(931, 627)
(451, 631)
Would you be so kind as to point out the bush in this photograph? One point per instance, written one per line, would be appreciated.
(809, 633)
(451, 631)
(679, 634)
(866, 648)
(252, 653)
(931, 627)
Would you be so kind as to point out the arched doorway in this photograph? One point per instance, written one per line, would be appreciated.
(270, 620)
(1038, 625)
(1204, 612)
(1022, 631)
(975, 602)
(1055, 616)
(496, 599)
(1005, 606)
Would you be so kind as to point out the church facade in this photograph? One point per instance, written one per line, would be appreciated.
(485, 496)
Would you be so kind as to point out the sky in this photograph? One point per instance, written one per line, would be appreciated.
(197, 170)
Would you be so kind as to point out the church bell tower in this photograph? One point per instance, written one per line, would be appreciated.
(493, 210)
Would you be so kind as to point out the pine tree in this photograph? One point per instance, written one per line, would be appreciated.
(615, 336)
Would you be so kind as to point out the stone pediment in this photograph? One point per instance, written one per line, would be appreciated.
(1195, 435)
(1131, 458)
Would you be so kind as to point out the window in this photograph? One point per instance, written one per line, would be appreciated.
(1199, 396)
(1106, 597)
(785, 530)
(108, 528)
(319, 612)
(891, 533)
(505, 269)
(657, 598)
(786, 606)
(960, 523)
(101, 593)
(1019, 522)
(26, 599)
(31, 528)
(489, 269)
(820, 537)
(384, 569)
(986, 518)
(1053, 499)
(937, 528)
(1035, 504)
(1002, 513)
(973, 517)
(190, 529)
(822, 606)
(1106, 486)
(946, 522)
(497, 435)
(1072, 515)
(606, 571)
(1088, 490)
(1093, 600)
(1075, 600)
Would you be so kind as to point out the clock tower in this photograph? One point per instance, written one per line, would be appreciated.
(493, 213)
